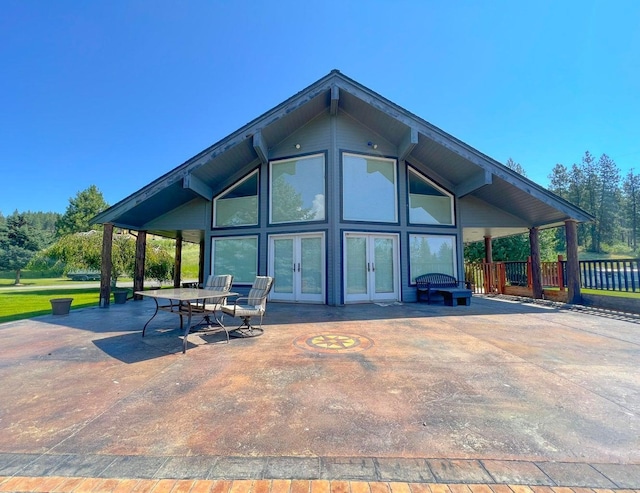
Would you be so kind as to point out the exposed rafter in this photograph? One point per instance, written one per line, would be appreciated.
(335, 99)
(409, 141)
(261, 148)
(484, 177)
(198, 186)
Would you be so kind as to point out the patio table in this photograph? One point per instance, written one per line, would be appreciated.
(183, 301)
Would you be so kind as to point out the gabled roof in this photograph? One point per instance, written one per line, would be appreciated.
(467, 172)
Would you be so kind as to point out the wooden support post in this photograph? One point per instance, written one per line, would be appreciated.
(536, 270)
(488, 250)
(573, 266)
(178, 263)
(201, 264)
(502, 269)
(106, 266)
(138, 275)
(560, 273)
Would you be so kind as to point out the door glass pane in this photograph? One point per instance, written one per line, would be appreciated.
(383, 251)
(311, 260)
(369, 181)
(431, 253)
(238, 206)
(283, 266)
(297, 189)
(356, 266)
(428, 204)
(236, 256)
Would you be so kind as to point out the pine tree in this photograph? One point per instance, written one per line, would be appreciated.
(19, 242)
(631, 206)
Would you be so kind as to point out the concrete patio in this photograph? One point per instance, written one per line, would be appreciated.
(500, 392)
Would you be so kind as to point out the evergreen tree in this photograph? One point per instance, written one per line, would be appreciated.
(80, 211)
(631, 194)
(607, 212)
(19, 242)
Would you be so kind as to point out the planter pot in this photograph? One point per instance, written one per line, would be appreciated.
(61, 306)
(120, 297)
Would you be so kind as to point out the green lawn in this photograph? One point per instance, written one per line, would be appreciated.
(17, 304)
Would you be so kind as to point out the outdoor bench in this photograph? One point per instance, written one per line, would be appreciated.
(452, 290)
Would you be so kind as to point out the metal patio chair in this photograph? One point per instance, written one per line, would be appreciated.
(212, 306)
(252, 306)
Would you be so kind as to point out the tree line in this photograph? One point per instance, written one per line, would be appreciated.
(596, 185)
(59, 243)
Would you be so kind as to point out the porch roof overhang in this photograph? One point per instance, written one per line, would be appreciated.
(493, 199)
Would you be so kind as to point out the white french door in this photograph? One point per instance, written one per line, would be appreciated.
(371, 267)
(297, 262)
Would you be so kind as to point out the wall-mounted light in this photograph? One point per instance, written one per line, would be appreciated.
(371, 144)
(298, 146)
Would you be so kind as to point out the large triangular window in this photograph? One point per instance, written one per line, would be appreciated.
(238, 205)
(428, 203)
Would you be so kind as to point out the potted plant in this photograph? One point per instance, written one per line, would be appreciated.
(120, 295)
(60, 306)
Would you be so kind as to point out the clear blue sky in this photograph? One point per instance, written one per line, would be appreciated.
(117, 93)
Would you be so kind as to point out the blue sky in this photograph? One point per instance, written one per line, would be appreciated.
(117, 93)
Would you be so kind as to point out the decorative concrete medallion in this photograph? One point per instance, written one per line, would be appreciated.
(333, 343)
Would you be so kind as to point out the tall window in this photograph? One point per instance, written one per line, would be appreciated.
(432, 253)
(238, 205)
(237, 256)
(428, 204)
(298, 189)
(369, 191)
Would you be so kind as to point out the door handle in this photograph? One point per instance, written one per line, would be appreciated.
(373, 267)
(298, 266)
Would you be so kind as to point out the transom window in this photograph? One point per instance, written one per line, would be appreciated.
(432, 253)
(297, 189)
(369, 191)
(237, 256)
(238, 205)
(428, 203)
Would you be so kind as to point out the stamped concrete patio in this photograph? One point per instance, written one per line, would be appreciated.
(500, 392)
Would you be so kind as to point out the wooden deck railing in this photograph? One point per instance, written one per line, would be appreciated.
(610, 275)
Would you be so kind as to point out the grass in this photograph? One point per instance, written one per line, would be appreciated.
(16, 304)
(604, 292)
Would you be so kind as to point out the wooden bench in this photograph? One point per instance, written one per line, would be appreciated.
(452, 290)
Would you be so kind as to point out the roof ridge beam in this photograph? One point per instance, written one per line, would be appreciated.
(409, 141)
(477, 181)
(335, 100)
(261, 148)
(198, 186)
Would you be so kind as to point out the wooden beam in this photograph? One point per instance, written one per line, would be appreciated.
(409, 141)
(198, 186)
(201, 263)
(488, 250)
(536, 269)
(138, 274)
(479, 180)
(335, 99)
(178, 263)
(106, 266)
(261, 148)
(573, 266)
